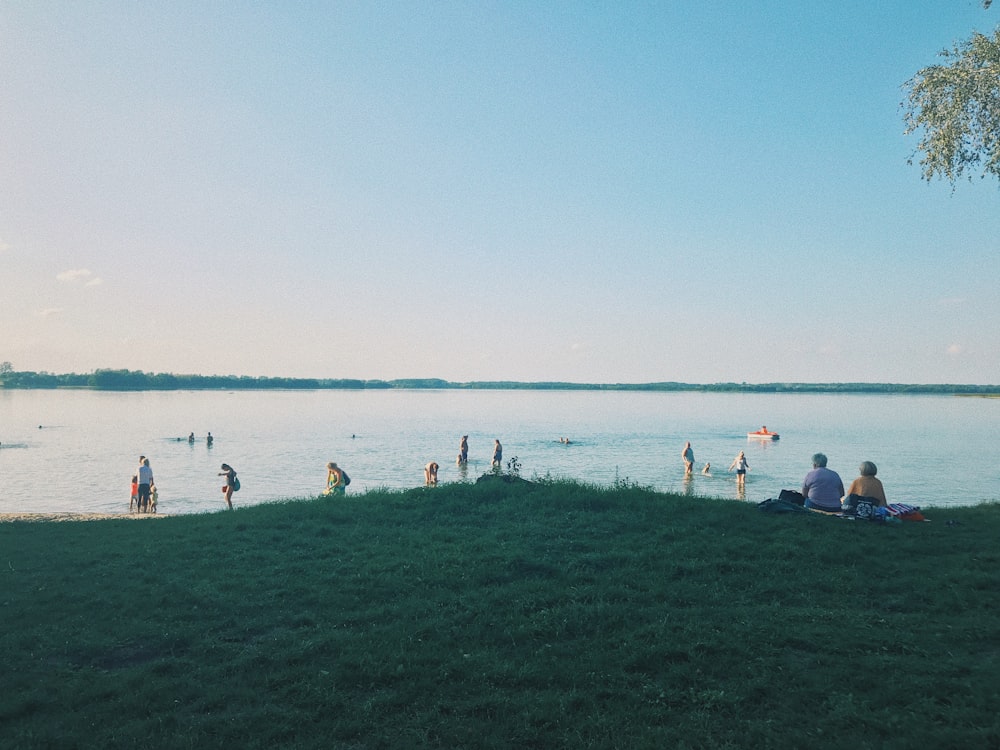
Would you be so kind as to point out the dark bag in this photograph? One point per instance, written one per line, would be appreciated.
(792, 496)
(347, 479)
(236, 483)
(779, 506)
(860, 506)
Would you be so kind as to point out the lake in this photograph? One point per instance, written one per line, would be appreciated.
(76, 450)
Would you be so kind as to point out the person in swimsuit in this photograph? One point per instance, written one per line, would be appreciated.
(688, 455)
(740, 464)
(431, 474)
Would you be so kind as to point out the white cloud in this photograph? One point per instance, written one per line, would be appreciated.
(75, 275)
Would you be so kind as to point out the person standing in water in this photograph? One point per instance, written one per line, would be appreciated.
(463, 450)
(497, 453)
(740, 464)
(334, 480)
(688, 455)
(145, 475)
(230, 485)
(431, 474)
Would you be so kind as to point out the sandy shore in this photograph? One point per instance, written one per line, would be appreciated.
(9, 517)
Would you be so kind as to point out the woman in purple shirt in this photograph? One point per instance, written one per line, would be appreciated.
(822, 487)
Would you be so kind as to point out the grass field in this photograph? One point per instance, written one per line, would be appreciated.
(502, 615)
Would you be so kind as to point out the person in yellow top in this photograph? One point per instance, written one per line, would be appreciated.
(868, 485)
(334, 480)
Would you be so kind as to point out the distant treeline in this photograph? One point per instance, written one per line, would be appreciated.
(136, 380)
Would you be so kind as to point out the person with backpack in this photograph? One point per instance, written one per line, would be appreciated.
(336, 480)
(232, 483)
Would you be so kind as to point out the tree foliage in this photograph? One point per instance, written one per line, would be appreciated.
(955, 107)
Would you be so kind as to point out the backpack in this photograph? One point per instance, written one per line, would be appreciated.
(347, 479)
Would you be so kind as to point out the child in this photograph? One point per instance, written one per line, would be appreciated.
(153, 495)
(135, 493)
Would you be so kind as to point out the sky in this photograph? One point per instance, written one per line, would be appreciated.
(599, 192)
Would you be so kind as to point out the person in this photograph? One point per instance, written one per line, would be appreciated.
(431, 474)
(822, 487)
(707, 471)
(191, 438)
(154, 497)
(145, 477)
(740, 464)
(230, 485)
(334, 480)
(867, 485)
(463, 449)
(497, 453)
(133, 501)
(688, 455)
(209, 440)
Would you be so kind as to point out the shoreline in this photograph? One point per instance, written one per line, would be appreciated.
(69, 516)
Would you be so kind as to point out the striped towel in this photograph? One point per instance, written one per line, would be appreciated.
(902, 509)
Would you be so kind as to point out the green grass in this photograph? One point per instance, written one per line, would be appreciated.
(502, 616)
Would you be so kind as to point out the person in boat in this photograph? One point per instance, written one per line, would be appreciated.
(688, 455)
(740, 464)
(822, 487)
(868, 485)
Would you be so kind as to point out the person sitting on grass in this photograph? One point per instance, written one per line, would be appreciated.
(822, 487)
(867, 485)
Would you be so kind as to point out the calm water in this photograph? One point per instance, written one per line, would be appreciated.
(77, 450)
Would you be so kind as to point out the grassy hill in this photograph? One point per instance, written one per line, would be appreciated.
(502, 616)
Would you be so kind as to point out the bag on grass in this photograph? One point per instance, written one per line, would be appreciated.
(772, 505)
(792, 496)
(860, 507)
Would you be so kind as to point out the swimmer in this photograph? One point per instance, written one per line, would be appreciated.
(707, 471)
(209, 439)
(191, 438)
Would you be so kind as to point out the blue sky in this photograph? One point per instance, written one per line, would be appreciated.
(589, 192)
